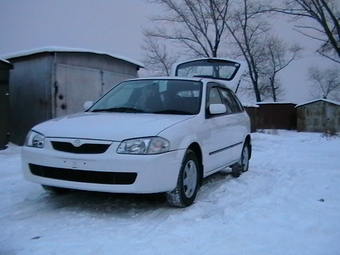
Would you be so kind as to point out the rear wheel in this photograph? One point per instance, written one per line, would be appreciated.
(187, 184)
(243, 164)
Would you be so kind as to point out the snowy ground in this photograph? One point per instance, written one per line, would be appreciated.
(287, 203)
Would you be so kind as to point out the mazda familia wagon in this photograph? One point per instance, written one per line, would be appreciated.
(147, 135)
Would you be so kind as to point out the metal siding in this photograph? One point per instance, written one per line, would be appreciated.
(44, 83)
(4, 89)
(111, 79)
(319, 116)
(30, 95)
(75, 86)
(79, 84)
(96, 61)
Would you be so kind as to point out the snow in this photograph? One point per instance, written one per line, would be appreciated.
(65, 49)
(4, 60)
(287, 203)
(265, 102)
(317, 100)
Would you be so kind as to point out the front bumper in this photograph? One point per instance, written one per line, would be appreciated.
(104, 172)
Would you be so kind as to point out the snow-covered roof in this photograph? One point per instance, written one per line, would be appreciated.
(250, 105)
(64, 49)
(320, 99)
(259, 103)
(4, 60)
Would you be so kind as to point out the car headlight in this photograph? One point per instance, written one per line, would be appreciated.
(35, 139)
(144, 146)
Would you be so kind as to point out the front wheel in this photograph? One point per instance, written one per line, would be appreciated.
(243, 164)
(187, 184)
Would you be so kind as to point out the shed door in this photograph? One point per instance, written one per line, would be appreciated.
(330, 119)
(75, 85)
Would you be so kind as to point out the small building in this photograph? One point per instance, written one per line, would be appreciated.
(275, 115)
(5, 67)
(320, 115)
(251, 110)
(52, 82)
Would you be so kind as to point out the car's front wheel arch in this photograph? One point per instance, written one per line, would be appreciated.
(198, 152)
(187, 183)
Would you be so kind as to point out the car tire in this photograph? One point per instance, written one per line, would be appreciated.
(55, 190)
(187, 184)
(243, 164)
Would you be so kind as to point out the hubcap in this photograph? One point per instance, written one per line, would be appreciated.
(189, 178)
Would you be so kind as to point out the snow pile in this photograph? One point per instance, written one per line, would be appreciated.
(287, 203)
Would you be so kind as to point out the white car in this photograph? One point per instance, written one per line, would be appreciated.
(147, 135)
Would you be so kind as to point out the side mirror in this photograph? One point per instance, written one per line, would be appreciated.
(87, 105)
(217, 109)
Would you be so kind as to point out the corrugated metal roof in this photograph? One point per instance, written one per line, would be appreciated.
(64, 49)
(320, 99)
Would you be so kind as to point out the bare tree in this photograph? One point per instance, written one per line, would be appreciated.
(157, 57)
(266, 88)
(326, 83)
(250, 30)
(326, 14)
(280, 55)
(201, 26)
(195, 24)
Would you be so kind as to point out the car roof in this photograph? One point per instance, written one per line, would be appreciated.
(167, 78)
(177, 78)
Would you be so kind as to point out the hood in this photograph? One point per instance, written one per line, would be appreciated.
(108, 126)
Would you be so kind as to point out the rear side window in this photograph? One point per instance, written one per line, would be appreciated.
(230, 100)
(217, 94)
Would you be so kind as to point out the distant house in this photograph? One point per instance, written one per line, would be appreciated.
(52, 82)
(319, 115)
(5, 67)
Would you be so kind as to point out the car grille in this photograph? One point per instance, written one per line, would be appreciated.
(83, 175)
(86, 148)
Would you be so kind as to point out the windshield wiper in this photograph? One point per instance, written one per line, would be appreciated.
(119, 109)
(175, 112)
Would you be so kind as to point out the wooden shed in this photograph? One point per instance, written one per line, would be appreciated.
(275, 115)
(5, 67)
(52, 82)
(320, 115)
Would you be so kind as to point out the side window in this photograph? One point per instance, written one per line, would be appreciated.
(214, 96)
(237, 101)
(230, 100)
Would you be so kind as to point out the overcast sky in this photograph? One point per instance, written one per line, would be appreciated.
(115, 27)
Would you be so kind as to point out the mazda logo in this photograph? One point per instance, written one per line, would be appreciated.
(76, 143)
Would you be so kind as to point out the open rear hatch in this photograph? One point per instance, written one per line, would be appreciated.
(227, 70)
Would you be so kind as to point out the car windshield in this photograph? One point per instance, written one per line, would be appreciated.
(161, 96)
